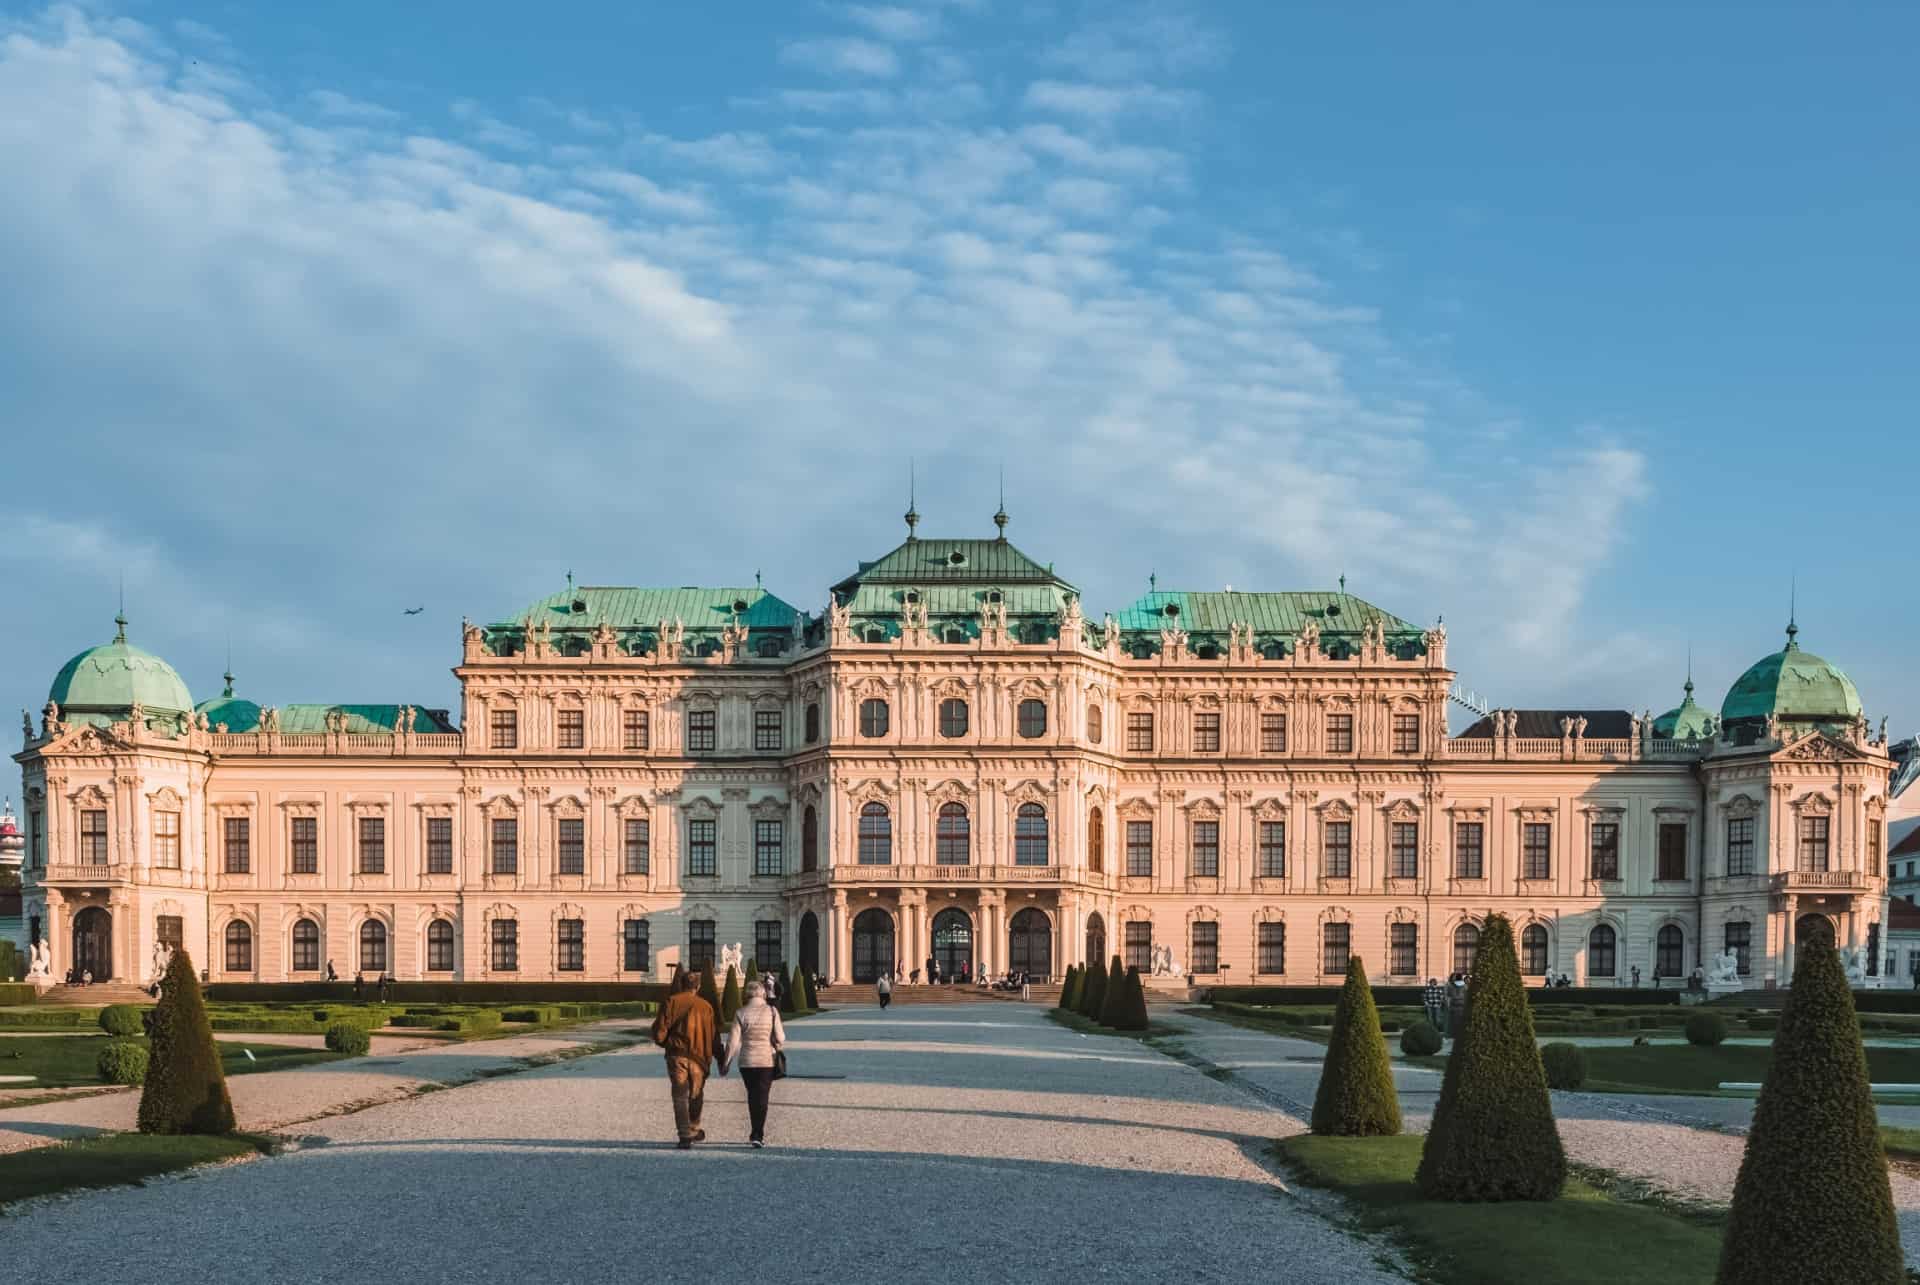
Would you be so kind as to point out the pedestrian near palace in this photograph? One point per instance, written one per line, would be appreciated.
(685, 1029)
(885, 990)
(756, 1043)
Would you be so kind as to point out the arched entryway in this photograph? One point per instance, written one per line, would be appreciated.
(93, 944)
(953, 943)
(1809, 928)
(872, 945)
(1030, 945)
(1096, 940)
(810, 944)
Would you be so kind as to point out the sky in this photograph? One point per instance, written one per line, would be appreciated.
(1591, 332)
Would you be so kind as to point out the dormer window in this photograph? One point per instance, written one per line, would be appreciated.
(956, 559)
(912, 597)
(993, 596)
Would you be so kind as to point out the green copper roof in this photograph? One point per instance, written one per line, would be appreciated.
(297, 720)
(1686, 721)
(106, 680)
(589, 606)
(235, 714)
(1276, 618)
(933, 562)
(1793, 684)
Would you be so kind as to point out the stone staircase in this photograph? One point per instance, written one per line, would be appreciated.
(864, 997)
(98, 995)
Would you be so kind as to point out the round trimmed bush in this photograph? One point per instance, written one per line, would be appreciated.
(1421, 1039)
(123, 1062)
(350, 1038)
(1566, 1065)
(1706, 1029)
(125, 1021)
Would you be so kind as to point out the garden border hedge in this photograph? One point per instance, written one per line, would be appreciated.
(1385, 996)
(490, 993)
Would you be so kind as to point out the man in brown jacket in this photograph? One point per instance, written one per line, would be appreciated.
(685, 1029)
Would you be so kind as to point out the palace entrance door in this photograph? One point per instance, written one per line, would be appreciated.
(810, 944)
(952, 943)
(1030, 945)
(93, 943)
(1096, 941)
(872, 945)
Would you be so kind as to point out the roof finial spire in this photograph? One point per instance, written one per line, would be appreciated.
(1153, 581)
(228, 693)
(1000, 514)
(120, 616)
(1793, 610)
(1343, 582)
(756, 581)
(1688, 688)
(913, 509)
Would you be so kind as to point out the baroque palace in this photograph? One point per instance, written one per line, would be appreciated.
(952, 763)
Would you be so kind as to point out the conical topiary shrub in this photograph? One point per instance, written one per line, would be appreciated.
(730, 998)
(1093, 992)
(1356, 1097)
(1115, 994)
(793, 997)
(1813, 1202)
(1493, 1136)
(710, 992)
(804, 994)
(1070, 988)
(186, 1091)
(1130, 1014)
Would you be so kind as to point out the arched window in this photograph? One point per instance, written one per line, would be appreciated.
(1669, 946)
(813, 722)
(306, 946)
(1097, 841)
(876, 835)
(873, 717)
(373, 947)
(1533, 950)
(239, 946)
(1030, 835)
(953, 717)
(1601, 951)
(439, 946)
(809, 839)
(1095, 720)
(1033, 718)
(1466, 944)
(950, 835)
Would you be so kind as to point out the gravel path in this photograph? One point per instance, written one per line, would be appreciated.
(976, 1143)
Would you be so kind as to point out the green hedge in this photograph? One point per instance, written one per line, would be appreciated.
(21, 994)
(492, 994)
(123, 1062)
(1565, 1064)
(350, 1038)
(49, 1019)
(1412, 996)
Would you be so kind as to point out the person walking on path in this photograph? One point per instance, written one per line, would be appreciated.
(684, 1028)
(1435, 998)
(757, 1036)
(885, 990)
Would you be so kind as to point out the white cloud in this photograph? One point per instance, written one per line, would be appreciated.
(1104, 102)
(891, 22)
(849, 56)
(647, 194)
(342, 107)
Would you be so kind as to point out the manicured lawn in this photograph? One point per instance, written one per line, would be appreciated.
(118, 1159)
(1689, 1068)
(1901, 1144)
(1585, 1236)
(61, 1061)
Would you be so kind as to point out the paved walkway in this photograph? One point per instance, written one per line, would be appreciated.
(978, 1143)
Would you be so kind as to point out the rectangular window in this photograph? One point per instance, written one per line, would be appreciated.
(1272, 948)
(1139, 849)
(769, 842)
(170, 931)
(1204, 958)
(1403, 949)
(237, 843)
(1606, 851)
(700, 731)
(1740, 942)
(1739, 845)
(573, 846)
(572, 952)
(1273, 733)
(635, 957)
(1206, 851)
(1339, 733)
(1273, 849)
(1405, 854)
(1336, 850)
(1335, 941)
(767, 952)
(1874, 831)
(166, 840)
(439, 845)
(93, 837)
(503, 729)
(1139, 733)
(373, 845)
(1673, 853)
(573, 729)
(1206, 734)
(699, 943)
(239, 938)
(36, 841)
(506, 846)
(634, 730)
(1406, 733)
(504, 943)
(1139, 945)
(1813, 843)
(305, 842)
(702, 857)
(766, 729)
(1536, 850)
(637, 859)
(1469, 850)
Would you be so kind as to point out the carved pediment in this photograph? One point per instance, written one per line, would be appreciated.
(1136, 809)
(1202, 809)
(770, 808)
(1816, 747)
(1742, 805)
(166, 799)
(1335, 810)
(1813, 804)
(950, 791)
(1029, 792)
(1402, 810)
(1274, 809)
(870, 789)
(703, 808)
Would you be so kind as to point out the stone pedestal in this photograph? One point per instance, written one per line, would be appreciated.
(1165, 984)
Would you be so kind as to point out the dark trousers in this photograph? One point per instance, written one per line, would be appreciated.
(886, 998)
(759, 1082)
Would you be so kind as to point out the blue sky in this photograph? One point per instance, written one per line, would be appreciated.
(1589, 332)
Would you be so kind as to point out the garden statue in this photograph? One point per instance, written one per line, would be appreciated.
(1725, 970)
(40, 961)
(1855, 965)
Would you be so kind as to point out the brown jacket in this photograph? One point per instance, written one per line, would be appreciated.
(684, 1027)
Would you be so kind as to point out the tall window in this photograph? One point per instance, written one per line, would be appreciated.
(573, 729)
(700, 731)
(1033, 718)
(1204, 954)
(1875, 831)
(1533, 950)
(503, 941)
(1336, 855)
(1273, 733)
(1673, 853)
(503, 728)
(767, 951)
(1466, 944)
(703, 846)
(635, 734)
(305, 841)
(951, 835)
(1601, 959)
(699, 943)
(637, 847)
(1272, 948)
(1335, 944)
(1206, 733)
(439, 845)
(36, 842)
(1140, 733)
(1139, 945)
(306, 946)
(1095, 723)
(1030, 835)
(1536, 850)
(571, 948)
(1339, 733)
(373, 947)
(1740, 942)
(1403, 949)
(813, 722)
(440, 946)
(809, 839)
(1469, 850)
(1273, 849)
(373, 845)
(876, 835)
(953, 717)
(573, 846)
(238, 835)
(769, 847)
(166, 840)
(873, 717)
(1139, 849)
(239, 946)
(1206, 851)
(635, 957)
(1097, 841)
(1813, 843)
(1668, 948)
(1606, 854)
(506, 846)
(768, 727)
(1404, 838)
(1406, 733)
(93, 837)
(170, 930)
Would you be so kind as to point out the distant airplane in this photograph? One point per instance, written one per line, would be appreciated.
(412, 611)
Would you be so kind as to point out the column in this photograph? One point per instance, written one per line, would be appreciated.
(842, 940)
(1786, 942)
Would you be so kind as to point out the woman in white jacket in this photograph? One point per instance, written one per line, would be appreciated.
(757, 1034)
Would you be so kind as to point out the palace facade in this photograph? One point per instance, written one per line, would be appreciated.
(950, 763)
